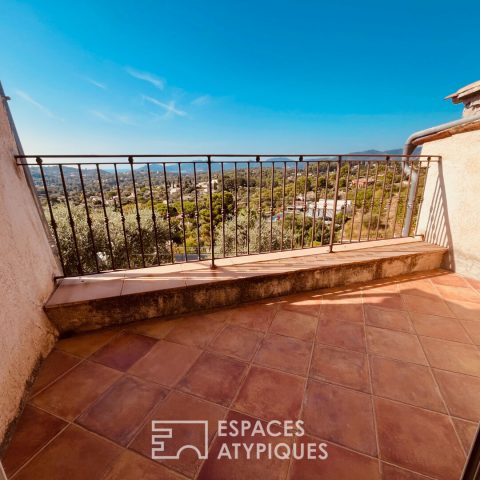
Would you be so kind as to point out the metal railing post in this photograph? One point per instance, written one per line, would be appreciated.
(420, 202)
(334, 213)
(412, 193)
(53, 222)
(210, 206)
(137, 210)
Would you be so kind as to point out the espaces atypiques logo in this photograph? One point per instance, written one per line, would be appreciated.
(240, 439)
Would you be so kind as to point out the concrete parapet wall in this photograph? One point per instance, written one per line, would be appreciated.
(323, 271)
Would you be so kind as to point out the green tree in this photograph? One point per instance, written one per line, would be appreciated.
(121, 250)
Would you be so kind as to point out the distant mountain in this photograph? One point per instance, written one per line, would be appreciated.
(187, 166)
(54, 171)
(395, 151)
(373, 152)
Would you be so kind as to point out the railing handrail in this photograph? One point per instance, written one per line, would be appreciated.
(255, 158)
(227, 155)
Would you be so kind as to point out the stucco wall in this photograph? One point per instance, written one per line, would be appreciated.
(450, 215)
(27, 268)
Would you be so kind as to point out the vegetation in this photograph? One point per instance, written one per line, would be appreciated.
(253, 210)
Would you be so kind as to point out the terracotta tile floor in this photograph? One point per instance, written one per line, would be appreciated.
(386, 373)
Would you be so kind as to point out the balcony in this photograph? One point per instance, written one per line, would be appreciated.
(145, 236)
(386, 373)
(339, 293)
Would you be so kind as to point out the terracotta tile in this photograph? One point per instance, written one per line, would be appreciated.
(81, 289)
(430, 306)
(473, 283)
(118, 413)
(123, 351)
(73, 393)
(130, 466)
(453, 356)
(391, 472)
(345, 312)
(439, 327)
(256, 316)
(196, 330)
(450, 279)
(342, 296)
(237, 342)
(341, 464)
(203, 277)
(461, 294)
(388, 318)
(179, 406)
(156, 328)
(243, 467)
(55, 365)
(84, 344)
(418, 439)
(339, 333)
(153, 283)
(294, 324)
(406, 382)
(340, 415)
(34, 430)
(419, 288)
(383, 300)
(270, 395)
(399, 345)
(285, 353)
(386, 285)
(220, 316)
(308, 304)
(465, 310)
(214, 377)
(243, 271)
(344, 367)
(89, 458)
(473, 330)
(166, 363)
(466, 431)
(461, 393)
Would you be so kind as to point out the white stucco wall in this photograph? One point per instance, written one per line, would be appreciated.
(27, 268)
(450, 215)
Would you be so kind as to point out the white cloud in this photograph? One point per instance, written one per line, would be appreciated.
(123, 118)
(147, 77)
(170, 107)
(112, 118)
(101, 115)
(25, 96)
(94, 82)
(202, 100)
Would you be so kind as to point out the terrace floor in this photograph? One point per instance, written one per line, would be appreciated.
(386, 373)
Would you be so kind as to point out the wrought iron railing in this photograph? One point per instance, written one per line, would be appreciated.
(111, 212)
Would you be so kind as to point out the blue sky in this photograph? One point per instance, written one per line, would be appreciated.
(221, 76)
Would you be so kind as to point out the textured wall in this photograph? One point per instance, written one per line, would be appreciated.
(27, 268)
(451, 214)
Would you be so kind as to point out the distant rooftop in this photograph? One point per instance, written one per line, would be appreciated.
(469, 96)
(464, 92)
